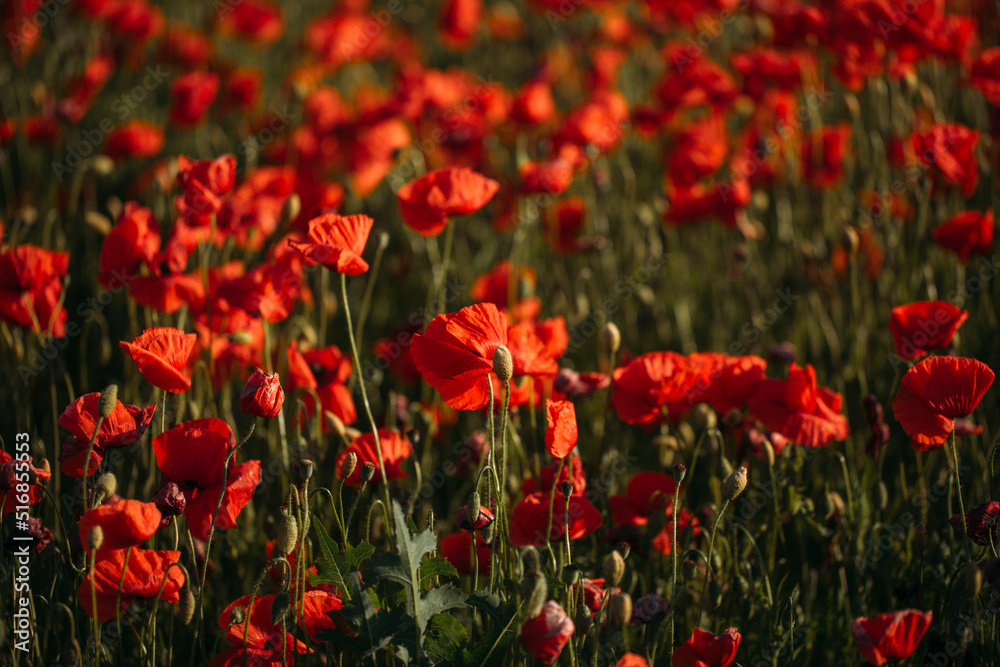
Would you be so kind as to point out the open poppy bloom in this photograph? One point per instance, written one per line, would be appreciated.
(892, 636)
(572, 472)
(458, 22)
(142, 578)
(204, 183)
(645, 385)
(456, 548)
(924, 325)
(320, 612)
(966, 233)
(395, 449)
(428, 202)
(981, 521)
(264, 638)
(530, 519)
(192, 94)
(160, 354)
(799, 410)
(193, 455)
(545, 635)
(707, 650)
(123, 427)
(9, 469)
(937, 391)
(126, 523)
(134, 139)
(647, 494)
(455, 354)
(336, 242)
(325, 371)
(632, 660)
(134, 241)
(31, 284)
(561, 433)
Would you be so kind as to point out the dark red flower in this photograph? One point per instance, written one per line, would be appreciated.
(707, 650)
(484, 519)
(981, 521)
(937, 391)
(458, 22)
(161, 354)
(560, 434)
(966, 233)
(457, 550)
(204, 183)
(324, 371)
(192, 94)
(948, 149)
(570, 384)
(985, 75)
(193, 455)
(798, 409)
(892, 636)
(141, 579)
(428, 202)
(545, 635)
(264, 639)
(922, 326)
(126, 523)
(256, 20)
(320, 612)
(243, 88)
(530, 519)
(262, 395)
(31, 284)
(10, 471)
(336, 242)
(395, 450)
(134, 139)
(123, 427)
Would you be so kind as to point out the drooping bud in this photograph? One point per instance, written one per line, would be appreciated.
(109, 399)
(472, 509)
(704, 416)
(535, 590)
(570, 575)
(348, 466)
(614, 569)
(583, 620)
(688, 569)
(621, 608)
(102, 165)
(279, 606)
(567, 488)
(735, 483)
(367, 471)
(530, 560)
(262, 395)
(291, 209)
(611, 338)
(185, 606)
(503, 364)
(288, 534)
(714, 594)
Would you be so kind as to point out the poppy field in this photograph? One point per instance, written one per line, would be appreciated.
(500, 332)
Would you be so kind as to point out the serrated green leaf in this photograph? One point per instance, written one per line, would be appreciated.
(335, 566)
(326, 545)
(445, 638)
(438, 600)
(435, 567)
(375, 628)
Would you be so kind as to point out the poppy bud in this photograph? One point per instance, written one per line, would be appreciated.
(920, 537)
(279, 606)
(685, 434)
(95, 538)
(611, 337)
(614, 569)
(106, 485)
(570, 575)
(98, 222)
(529, 558)
(238, 615)
(241, 337)
(679, 471)
(348, 466)
(733, 418)
(109, 399)
(102, 165)
(288, 534)
(262, 395)
(335, 424)
(621, 608)
(714, 594)
(367, 471)
(503, 364)
(850, 240)
(536, 590)
(973, 578)
(767, 452)
(291, 209)
(688, 569)
(472, 509)
(704, 416)
(584, 619)
(185, 606)
(351, 433)
(567, 488)
(735, 483)
(44, 466)
(306, 468)
(170, 501)
(489, 532)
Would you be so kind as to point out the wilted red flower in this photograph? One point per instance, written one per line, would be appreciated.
(134, 139)
(192, 94)
(123, 427)
(560, 434)
(981, 521)
(126, 523)
(428, 202)
(140, 579)
(193, 455)
(170, 501)
(545, 635)
(799, 410)
(924, 325)
(265, 639)
(707, 650)
(160, 354)
(9, 495)
(458, 22)
(395, 450)
(31, 283)
(530, 519)
(937, 391)
(457, 550)
(262, 395)
(892, 636)
(325, 371)
(336, 242)
(966, 233)
(257, 20)
(455, 354)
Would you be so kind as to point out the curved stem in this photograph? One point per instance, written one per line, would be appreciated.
(711, 546)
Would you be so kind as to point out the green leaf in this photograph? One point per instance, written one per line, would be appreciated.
(446, 636)
(491, 650)
(435, 567)
(375, 628)
(336, 566)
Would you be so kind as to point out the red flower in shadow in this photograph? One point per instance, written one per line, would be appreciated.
(966, 233)
(126, 523)
(324, 371)
(892, 636)
(530, 519)
(707, 650)
(31, 288)
(264, 639)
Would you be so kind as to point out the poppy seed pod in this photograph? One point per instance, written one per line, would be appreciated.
(241, 337)
(109, 399)
(106, 486)
(735, 483)
(288, 533)
(614, 569)
(704, 416)
(185, 606)
(348, 466)
(679, 471)
(584, 619)
(306, 468)
(367, 471)
(611, 338)
(335, 424)
(621, 608)
(503, 364)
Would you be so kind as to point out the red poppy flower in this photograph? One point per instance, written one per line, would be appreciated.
(533, 103)
(645, 385)
(395, 449)
(168, 293)
(570, 384)
(256, 20)
(494, 287)
(892, 636)
(458, 22)
(193, 455)
(707, 650)
(325, 371)
(186, 47)
(545, 635)
(530, 519)
(823, 155)
(455, 354)
(632, 660)
(699, 151)
(948, 149)
(981, 521)
(123, 427)
(428, 202)
(126, 523)
(484, 519)
(561, 434)
(966, 233)
(320, 612)
(9, 471)
(134, 139)
(31, 283)
(985, 75)
(457, 550)
(336, 242)
(551, 177)
(799, 410)
(937, 391)
(160, 354)
(645, 493)
(722, 201)
(924, 325)
(142, 578)
(83, 88)
(192, 94)
(264, 639)
(243, 88)
(572, 471)
(205, 182)
(262, 395)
